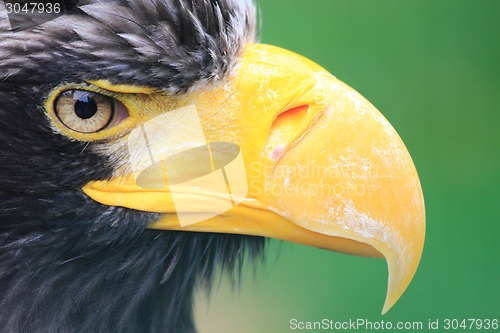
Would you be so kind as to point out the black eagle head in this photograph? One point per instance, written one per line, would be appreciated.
(84, 247)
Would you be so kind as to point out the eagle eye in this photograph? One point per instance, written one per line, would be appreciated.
(88, 112)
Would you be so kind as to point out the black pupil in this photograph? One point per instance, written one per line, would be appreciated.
(85, 107)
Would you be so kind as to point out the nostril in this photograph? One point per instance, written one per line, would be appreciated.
(284, 130)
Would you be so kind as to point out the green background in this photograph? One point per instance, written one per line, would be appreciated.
(431, 67)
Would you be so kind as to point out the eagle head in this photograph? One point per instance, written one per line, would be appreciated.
(145, 145)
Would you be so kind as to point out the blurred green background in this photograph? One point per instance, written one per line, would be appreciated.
(432, 68)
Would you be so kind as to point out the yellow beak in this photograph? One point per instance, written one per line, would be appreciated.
(280, 149)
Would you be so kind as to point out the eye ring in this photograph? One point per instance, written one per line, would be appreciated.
(88, 112)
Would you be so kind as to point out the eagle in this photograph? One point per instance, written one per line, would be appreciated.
(147, 145)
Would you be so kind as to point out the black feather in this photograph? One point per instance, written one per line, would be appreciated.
(169, 44)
